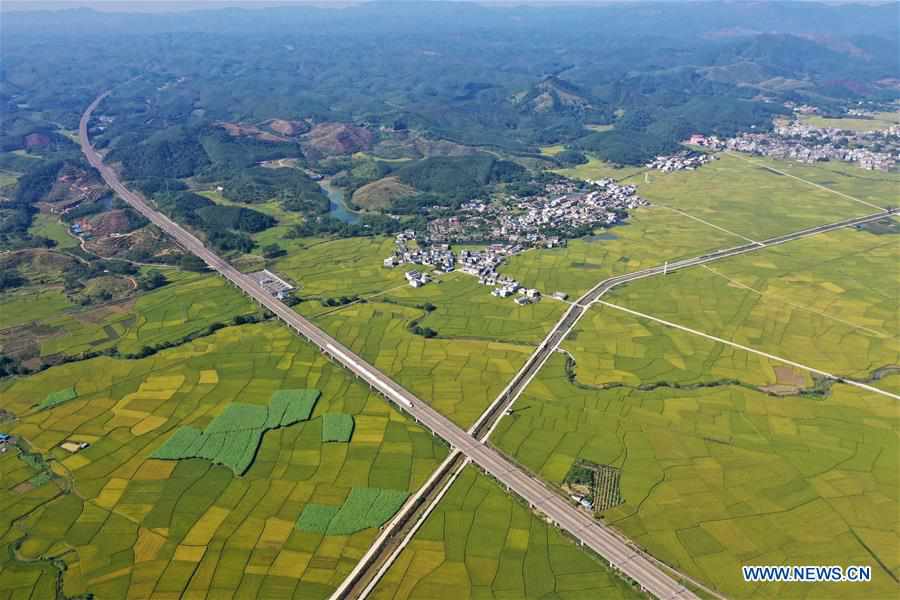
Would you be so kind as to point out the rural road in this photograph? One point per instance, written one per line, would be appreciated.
(620, 554)
(488, 420)
(585, 529)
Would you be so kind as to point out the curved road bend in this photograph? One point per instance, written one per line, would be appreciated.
(650, 577)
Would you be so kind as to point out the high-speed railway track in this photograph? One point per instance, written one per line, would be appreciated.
(611, 546)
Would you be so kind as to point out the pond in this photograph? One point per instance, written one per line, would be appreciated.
(337, 208)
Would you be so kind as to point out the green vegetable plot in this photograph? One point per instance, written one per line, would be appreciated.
(364, 508)
(234, 436)
(337, 427)
(58, 397)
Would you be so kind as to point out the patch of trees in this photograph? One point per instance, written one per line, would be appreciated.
(154, 185)
(226, 227)
(293, 188)
(273, 251)
(368, 225)
(178, 155)
(11, 278)
(152, 280)
(458, 177)
(644, 133)
(231, 152)
(37, 182)
(16, 215)
(234, 217)
(342, 301)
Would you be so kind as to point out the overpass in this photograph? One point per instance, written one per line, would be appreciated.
(587, 531)
(615, 549)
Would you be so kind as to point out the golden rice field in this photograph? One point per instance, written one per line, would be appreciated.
(129, 526)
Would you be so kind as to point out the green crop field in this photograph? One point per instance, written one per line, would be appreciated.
(596, 168)
(481, 543)
(31, 304)
(879, 122)
(190, 303)
(743, 195)
(831, 301)
(363, 508)
(233, 437)
(127, 525)
(49, 226)
(336, 427)
(650, 237)
(58, 397)
(715, 472)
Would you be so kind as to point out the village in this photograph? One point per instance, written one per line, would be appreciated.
(798, 141)
(563, 209)
(513, 224)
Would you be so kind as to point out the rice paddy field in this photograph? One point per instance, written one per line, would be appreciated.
(723, 462)
(651, 236)
(878, 122)
(744, 195)
(127, 525)
(596, 168)
(340, 267)
(481, 543)
(830, 301)
(459, 377)
(189, 303)
(876, 187)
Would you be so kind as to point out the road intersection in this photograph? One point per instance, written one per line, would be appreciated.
(621, 554)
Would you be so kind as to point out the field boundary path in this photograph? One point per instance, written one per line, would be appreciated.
(780, 359)
(490, 418)
(620, 554)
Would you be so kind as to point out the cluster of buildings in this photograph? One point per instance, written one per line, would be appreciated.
(438, 256)
(272, 283)
(5, 440)
(417, 279)
(482, 264)
(686, 160)
(544, 219)
(801, 142)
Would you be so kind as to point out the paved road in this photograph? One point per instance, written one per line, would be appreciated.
(488, 420)
(538, 495)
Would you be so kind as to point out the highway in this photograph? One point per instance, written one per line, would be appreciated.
(581, 526)
(615, 549)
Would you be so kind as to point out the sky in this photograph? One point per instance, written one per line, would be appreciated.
(171, 5)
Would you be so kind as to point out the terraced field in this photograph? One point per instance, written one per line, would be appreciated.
(127, 525)
(716, 473)
(481, 543)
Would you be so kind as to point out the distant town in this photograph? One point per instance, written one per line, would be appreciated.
(802, 142)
